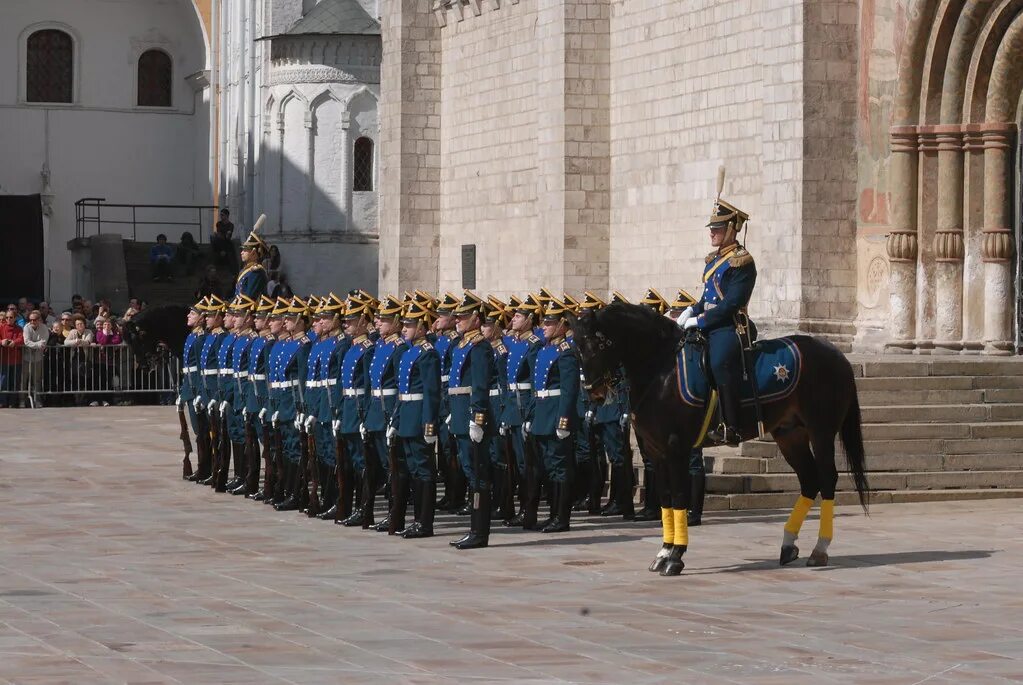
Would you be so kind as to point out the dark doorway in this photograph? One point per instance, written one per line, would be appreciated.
(21, 244)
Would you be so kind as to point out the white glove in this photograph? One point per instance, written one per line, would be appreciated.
(335, 426)
(525, 429)
(562, 434)
(589, 417)
(430, 439)
(245, 413)
(223, 407)
(686, 314)
(273, 419)
(298, 422)
(362, 430)
(623, 420)
(177, 401)
(310, 420)
(502, 429)
(691, 323)
(211, 405)
(447, 421)
(197, 403)
(262, 414)
(391, 433)
(475, 432)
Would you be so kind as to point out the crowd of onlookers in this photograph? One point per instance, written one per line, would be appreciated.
(75, 374)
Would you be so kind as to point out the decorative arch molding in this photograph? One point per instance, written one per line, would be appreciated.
(76, 62)
(285, 101)
(952, 144)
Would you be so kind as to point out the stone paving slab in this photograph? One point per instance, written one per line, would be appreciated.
(112, 569)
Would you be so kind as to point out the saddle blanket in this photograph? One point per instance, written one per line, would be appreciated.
(777, 364)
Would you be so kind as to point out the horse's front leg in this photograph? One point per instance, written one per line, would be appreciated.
(667, 518)
(677, 466)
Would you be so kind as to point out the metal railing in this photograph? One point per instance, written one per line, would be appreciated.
(96, 212)
(104, 373)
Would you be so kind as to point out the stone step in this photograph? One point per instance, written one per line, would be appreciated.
(941, 413)
(910, 462)
(874, 448)
(785, 500)
(883, 480)
(867, 367)
(884, 398)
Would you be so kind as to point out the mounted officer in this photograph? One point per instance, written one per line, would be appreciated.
(697, 468)
(252, 277)
(728, 280)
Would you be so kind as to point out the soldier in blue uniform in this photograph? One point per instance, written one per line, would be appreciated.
(608, 424)
(471, 422)
(274, 393)
(383, 392)
(553, 420)
(417, 417)
(728, 280)
(191, 387)
(358, 314)
(252, 277)
(241, 310)
(589, 465)
(256, 395)
(291, 364)
(448, 466)
(330, 349)
(209, 396)
(494, 320)
(523, 346)
(225, 397)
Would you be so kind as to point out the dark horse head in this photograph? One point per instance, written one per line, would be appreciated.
(620, 336)
(154, 329)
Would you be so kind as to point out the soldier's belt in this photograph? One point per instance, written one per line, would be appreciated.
(242, 374)
(709, 305)
(495, 392)
(384, 392)
(257, 377)
(445, 378)
(548, 393)
(226, 372)
(282, 384)
(189, 369)
(313, 384)
(520, 386)
(461, 390)
(210, 372)
(353, 392)
(410, 396)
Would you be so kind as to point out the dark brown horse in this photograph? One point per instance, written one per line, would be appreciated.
(804, 424)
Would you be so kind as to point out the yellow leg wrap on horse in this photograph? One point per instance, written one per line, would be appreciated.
(798, 515)
(827, 518)
(681, 526)
(668, 526)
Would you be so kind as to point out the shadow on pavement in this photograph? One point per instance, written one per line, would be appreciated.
(857, 560)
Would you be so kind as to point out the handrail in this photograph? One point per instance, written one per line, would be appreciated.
(90, 211)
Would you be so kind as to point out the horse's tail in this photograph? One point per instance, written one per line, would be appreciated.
(852, 441)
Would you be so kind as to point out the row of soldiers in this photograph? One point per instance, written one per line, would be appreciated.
(346, 399)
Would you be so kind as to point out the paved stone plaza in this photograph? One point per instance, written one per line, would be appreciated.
(112, 569)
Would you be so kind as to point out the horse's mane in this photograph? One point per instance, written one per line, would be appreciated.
(642, 333)
(164, 322)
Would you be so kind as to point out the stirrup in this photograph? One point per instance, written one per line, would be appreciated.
(724, 434)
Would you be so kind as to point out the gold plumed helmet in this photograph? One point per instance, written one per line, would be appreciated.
(573, 305)
(265, 306)
(448, 304)
(415, 311)
(495, 311)
(281, 307)
(202, 306)
(390, 307)
(618, 298)
(243, 304)
(331, 306)
(556, 309)
(531, 306)
(215, 305)
(726, 215)
(471, 302)
(298, 307)
(359, 303)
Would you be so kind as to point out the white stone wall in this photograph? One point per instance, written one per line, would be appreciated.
(103, 145)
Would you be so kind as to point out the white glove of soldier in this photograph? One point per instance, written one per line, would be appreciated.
(692, 322)
(223, 406)
(262, 414)
(245, 413)
(623, 421)
(391, 433)
(335, 427)
(274, 418)
(298, 421)
(210, 407)
(447, 421)
(589, 417)
(562, 434)
(502, 429)
(197, 403)
(475, 432)
(686, 314)
(362, 430)
(525, 429)
(429, 439)
(309, 421)
(177, 401)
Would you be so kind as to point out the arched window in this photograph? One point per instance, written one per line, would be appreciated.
(363, 174)
(49, 67)
(154, 82)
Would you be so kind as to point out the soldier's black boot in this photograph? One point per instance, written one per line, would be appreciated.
(479, 535)
(328, 494)
(456, 498)
(562, 509)
(623, 493)
(369, 496)
(553, 490)
(581, 490)
(612, 506)
(203, 460)
(596, 486)
(399, 505)
(238, 462)
(728, 431)
(496, 496)
(651, 510)
(696, 495)
(292, 500)
(423, 528)
(355, 518)
(531, 501)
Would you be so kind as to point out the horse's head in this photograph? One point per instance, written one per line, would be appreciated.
(144, 346)
(599, 357)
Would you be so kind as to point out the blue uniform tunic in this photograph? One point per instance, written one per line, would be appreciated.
(239, 378)
(556, 386)
(469, 378)
(498, 383)
(354, 386)
(444, 344)
(383, 387)
(251, 282)
(518, 390)
(418, 410)
(190, 375)
(290, 368)
(209, 378)
(225, 380)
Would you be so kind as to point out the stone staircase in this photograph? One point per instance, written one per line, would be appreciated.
(180, 290)
(937, 428)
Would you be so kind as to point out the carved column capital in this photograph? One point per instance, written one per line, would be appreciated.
(948, 246)
(902, 246)
(997, 246)
(903, 139)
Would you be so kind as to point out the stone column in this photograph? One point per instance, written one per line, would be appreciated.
(902, 241)
(346, 180)
(948, 239)
(999, 293)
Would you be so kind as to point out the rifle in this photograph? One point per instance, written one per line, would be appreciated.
(531, 502)
(278, 458)
(186, 442)
(341, 467)
(508, 501)
(225, 438)
(202, 444)
(396, 484)
(268, 467)
(251, 457)
(216, 448)
(314, 475)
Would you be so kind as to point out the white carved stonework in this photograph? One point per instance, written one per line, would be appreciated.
(282, 76)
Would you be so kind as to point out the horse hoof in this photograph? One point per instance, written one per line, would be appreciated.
(789, 554)
(672, 567)
(817, 559)
(657, 564)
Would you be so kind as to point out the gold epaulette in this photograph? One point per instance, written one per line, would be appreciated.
(533, 338)
(470, 338)
(711, 257)
(451, 333)
(565, 346)
(394, 338)
(500, 348)
(740, 258)
(303, 338)
(425, 344)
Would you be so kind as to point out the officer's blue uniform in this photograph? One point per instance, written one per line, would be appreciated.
(257, 397)
(469, 380)
(418, 410)
(383, 391)
(518, 393)
(225, 382)
(330, 351)
(728, 281)
(190, 374)
(291, 363)
(497, 386)
(444, 344)
(354, 396)
(251, 282)
(556, 386)
(240, 372)
(209, 379)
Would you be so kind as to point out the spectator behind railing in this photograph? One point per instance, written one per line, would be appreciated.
(108, 334)
(12, 340)
(36, 335)
(80, 335)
